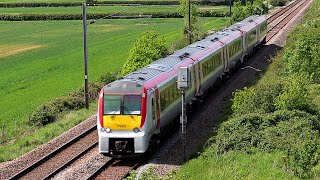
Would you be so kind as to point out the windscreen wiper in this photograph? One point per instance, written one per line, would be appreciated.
(114, 113)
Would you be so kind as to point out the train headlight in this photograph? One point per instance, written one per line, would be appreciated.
(108, 130)
(136, 129)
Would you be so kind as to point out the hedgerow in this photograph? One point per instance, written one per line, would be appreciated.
(123, 15)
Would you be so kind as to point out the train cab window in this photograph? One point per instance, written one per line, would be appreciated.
(112, 104)
(132, 104)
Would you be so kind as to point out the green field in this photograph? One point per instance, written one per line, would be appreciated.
(44, 59)
(103, 9)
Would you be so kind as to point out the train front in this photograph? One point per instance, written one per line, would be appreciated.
(121, 115)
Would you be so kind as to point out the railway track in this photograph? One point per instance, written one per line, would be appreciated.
(116, 169)
(280, 18)
(59, 159)
(280, 11)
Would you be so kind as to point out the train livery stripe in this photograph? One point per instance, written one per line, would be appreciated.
(144, 107)
(157, 108)
(195, 80)
(101, 107)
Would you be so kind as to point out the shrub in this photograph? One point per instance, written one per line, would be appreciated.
(303, 55)
(294, 94)
(295, 132)
(149, 47)
(259, 99)
(108, 77)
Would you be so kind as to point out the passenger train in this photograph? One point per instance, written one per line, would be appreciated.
(133, 109)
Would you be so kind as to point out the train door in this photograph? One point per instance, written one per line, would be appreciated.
(225, 57)
(156, 109)
(154, 118)
(244, 45)
(198, 78)
(194, 77)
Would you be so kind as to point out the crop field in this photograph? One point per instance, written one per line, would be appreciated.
(103, 9)
(41, 60)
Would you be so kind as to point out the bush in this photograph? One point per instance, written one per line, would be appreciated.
(108, 77)
(294, 94)
(259, 99)
(149, 47)
(303, 55)
(294, 132)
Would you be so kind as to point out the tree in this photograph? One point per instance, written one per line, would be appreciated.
(196, 33)
(149, 47)
(239, 12)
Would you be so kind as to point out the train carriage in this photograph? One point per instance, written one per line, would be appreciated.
(133, 109)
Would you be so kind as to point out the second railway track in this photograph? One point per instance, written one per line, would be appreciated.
(278, 21)
(54, 162)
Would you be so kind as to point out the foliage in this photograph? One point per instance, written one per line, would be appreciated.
(260, 98)
(304, 55)
(294, 94)
(195, 27)
(149, 47)
(295, 132)
(314, 98)
(108, 77)
(240, 11)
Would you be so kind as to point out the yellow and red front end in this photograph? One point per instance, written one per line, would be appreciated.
(121, 116)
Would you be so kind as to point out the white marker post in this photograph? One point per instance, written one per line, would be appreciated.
(183, 84)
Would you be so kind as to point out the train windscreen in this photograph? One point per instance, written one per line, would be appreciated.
(132, 104)
(112, 104)
(122, 105)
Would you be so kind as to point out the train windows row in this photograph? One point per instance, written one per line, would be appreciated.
(211, 64)
(169, 95)
(234, 48)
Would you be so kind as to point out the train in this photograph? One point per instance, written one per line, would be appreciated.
(136, 107)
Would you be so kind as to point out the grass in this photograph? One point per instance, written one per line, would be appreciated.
(103, 9)
(39, 136)
(34, 76)
(236, 165)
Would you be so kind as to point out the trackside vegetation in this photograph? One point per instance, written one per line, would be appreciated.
(274, 130)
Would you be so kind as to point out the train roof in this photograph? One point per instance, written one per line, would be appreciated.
(183, 56)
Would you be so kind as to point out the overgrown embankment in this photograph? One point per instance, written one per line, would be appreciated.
(275, 123)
